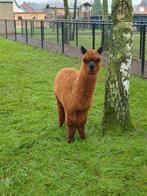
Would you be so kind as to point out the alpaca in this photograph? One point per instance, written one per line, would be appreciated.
(74, 90)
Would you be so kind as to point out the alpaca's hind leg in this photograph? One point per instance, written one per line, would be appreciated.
(61, 113)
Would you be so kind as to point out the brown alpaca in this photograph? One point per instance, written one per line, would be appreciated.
(74, 90)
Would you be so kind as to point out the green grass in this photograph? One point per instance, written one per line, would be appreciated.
(34, 156)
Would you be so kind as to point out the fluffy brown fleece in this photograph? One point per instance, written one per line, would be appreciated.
(74, 90)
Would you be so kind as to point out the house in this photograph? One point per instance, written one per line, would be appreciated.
(30, 11)
(16, 7)
(140, 12)
(85, 7)
(141, 9)
(84, 10)
(6, 9)
(31, 6)
(6, 13)
(40, 11)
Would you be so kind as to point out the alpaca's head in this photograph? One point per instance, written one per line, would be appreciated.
(91, 60)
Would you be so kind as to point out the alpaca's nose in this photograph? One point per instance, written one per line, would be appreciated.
(91, 65)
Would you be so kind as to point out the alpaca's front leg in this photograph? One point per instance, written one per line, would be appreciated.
(70, 134)
(71, 121)
(81, 131)
(82, 118)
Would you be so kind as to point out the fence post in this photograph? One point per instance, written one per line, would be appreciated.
(93, 36)
(22, 27)
(57, 32)
(42, 33)
(26, 27)
(141, 37)
(63, 37)
(143, 50)
(103, 28)
(15, 33)
(31, 29)
(77, 33)
(6, 27)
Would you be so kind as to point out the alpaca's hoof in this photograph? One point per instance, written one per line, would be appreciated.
(82, 137)
(60, 124)
(69, 141)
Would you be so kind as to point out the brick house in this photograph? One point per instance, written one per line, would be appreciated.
(140, 13)
(39, 11)
(6, 9)
(6, 13)
(30, 11)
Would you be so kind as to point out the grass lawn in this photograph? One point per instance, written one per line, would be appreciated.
(34, 156)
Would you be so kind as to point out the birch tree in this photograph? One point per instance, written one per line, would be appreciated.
(116, 105)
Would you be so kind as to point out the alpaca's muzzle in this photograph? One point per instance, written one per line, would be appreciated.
(91, 65)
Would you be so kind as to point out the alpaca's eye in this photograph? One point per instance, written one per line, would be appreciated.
(85, 60)
(98, 60)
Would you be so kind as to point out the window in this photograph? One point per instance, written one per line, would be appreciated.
(19, 17)
(141, 9)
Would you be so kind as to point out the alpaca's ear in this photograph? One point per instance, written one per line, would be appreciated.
(100, 50)
(83, 50)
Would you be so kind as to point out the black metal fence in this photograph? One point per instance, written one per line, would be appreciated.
(88, 33)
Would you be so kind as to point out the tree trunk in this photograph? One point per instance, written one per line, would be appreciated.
(66, 10)
(116, 106)
(66, 25)
(105, 29)
(74, 18)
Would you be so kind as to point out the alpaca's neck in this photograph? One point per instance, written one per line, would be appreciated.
(84, 86)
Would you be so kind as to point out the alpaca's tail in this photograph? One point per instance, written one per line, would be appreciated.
(61, 113)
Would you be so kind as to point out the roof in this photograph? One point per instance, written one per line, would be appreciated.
(25, 7)
(6, 1)
(141, 8)
(31, 7)
(37, 6)
(16, 3)
(85, 4)
(16, 7)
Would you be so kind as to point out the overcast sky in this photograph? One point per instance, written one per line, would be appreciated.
(20, 1)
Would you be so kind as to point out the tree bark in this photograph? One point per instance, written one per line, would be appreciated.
(116, 106)
(74, 18)
(105, 29)
(66, 10)
(66, 25)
